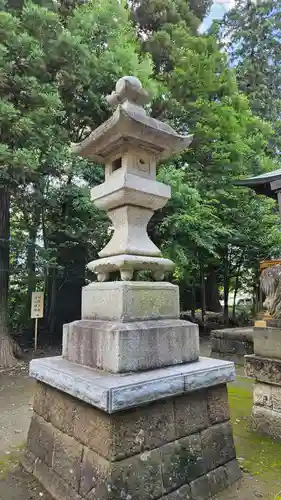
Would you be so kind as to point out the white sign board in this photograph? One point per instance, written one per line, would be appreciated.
(37, 304)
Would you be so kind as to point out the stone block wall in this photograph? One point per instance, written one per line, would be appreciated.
(173, 449)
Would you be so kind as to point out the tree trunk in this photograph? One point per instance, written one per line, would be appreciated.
(212, 291)
(225, 289)
(7, 357)
(30, 264)
(51, 319)
(234, 298)
(203, 294)
(193, 299)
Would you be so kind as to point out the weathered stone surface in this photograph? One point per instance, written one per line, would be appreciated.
(143, 428)
(55, 406)
(231, 347)
(28, 461)
(267, 342)
(127, 347)
(53, 483)
(218, 407)
(130, 301)
(200, 488)
(123, 434)
(267, 421)
(233, 471)
(183, 493)
(232, 344)
(40, 439)
(95, 476)
(138, 477)
(162, 472)
(217, 445)
(263, 369)
(62, 409)
(276, 398)
(181, 462)
(115, 393)
(67, 456)
(262, 395)
(40, 403)
(217, 480)
(93, 429)
(191, 414)
(242, 334)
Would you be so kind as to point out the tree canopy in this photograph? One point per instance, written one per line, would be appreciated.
(58, 62)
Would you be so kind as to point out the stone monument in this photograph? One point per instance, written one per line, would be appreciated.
(130, 411)
(265, 364)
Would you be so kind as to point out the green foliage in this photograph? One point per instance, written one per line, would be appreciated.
(58, 61)
(215, 223)
(189, 224)
(55, 70)
(251, 35)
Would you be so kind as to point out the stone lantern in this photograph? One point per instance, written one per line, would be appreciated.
(130, 144)
(130, 411)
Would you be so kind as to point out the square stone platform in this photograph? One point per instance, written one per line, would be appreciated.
(163, 434)
(117, 346)
(130, 301)
(113, 393)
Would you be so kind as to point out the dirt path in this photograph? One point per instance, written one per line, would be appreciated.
(16, 396)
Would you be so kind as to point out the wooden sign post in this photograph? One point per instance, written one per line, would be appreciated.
(37, 310)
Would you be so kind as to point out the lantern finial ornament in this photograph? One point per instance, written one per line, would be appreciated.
(128, 88)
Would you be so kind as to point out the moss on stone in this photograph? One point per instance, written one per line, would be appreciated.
(11, 460)
(259, 455)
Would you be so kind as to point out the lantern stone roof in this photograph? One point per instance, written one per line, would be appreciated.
(261, 184)
(130, 125)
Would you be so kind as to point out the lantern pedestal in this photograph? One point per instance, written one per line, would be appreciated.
(160, 434)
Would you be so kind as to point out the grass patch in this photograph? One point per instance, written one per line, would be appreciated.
(10, 461)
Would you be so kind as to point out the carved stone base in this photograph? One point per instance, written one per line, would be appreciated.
(266, 414)
(175, 449)
(128, 264)
(266, 411)
(263, 369)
